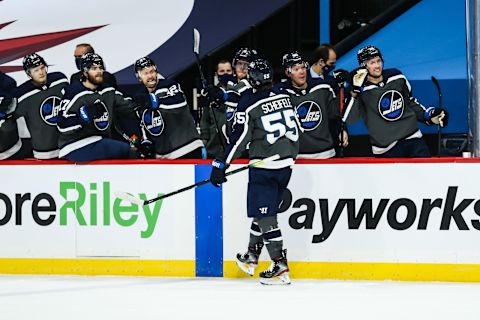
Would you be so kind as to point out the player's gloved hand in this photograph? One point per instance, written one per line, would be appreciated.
(214, 94)
(152, 102)
(146, 149)
(217, 177)
(358, 78)
(436, 116)
(3, 115)
(341, 76)
(89, 112)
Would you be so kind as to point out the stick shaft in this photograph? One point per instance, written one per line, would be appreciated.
(201, 183)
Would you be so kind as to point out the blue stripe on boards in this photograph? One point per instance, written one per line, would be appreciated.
(208, 226)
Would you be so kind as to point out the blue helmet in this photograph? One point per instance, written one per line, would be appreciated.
(367, 53)
(246, 54)
(32, 61)
(260, 73)
(89, 59)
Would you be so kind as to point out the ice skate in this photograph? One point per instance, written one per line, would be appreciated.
(277, 273)
(248, 261)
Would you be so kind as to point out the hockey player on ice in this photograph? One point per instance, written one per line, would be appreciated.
(39, 105)
(266, 119)
(383, 99)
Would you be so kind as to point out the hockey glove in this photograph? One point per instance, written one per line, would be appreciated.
(217, 177)
(214, 94)
(90, 112)
(341, 77)
(146, 149)
(358, 78)
(436, 116)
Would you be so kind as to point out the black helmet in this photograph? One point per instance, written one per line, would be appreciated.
(292, 58)
(367, 53)
(260, 73)
(144, 62)
(89, 59)
(246, 54)
(32, 61)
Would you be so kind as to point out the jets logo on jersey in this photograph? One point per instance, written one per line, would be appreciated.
(101, 123)
(391, 105)
(49, 110)
(309, 114)
(153, 122)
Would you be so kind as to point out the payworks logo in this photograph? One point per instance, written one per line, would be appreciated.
(400, 214)
(87, 205)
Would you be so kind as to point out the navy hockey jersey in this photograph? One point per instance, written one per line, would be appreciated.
(388, 109)
(10, 142)
(75, 133)
(37, 114)
(314, 107)
(171, 127)
(266, 121)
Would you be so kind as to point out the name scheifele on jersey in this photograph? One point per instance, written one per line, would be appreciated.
(275, 105)
(266, 122)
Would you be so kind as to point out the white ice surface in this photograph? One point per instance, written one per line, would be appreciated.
(78, 297)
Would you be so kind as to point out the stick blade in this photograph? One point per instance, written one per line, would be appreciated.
(266, 160)
(196, 41)
(128, 197)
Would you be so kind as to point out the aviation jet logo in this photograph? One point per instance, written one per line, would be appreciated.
(15, 48)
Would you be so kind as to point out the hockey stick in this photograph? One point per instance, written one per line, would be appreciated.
(196, 51)
(342, 123)
(128, 197)
(440, 105)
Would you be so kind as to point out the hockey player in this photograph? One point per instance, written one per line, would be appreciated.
(166, 116)
(38, 106)
(383, 98)
(315, 103)
(10, 143)
(80, 50)
(89, 112)
(266, 120)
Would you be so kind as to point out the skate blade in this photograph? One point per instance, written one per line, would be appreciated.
(283, 279)
(247, 268)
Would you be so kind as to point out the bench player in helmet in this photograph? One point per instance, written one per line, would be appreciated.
(39, 105)
(165, 115)
(315, 104)
(266, 121)
(90, 111)
(383, 99)
(10, 142)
